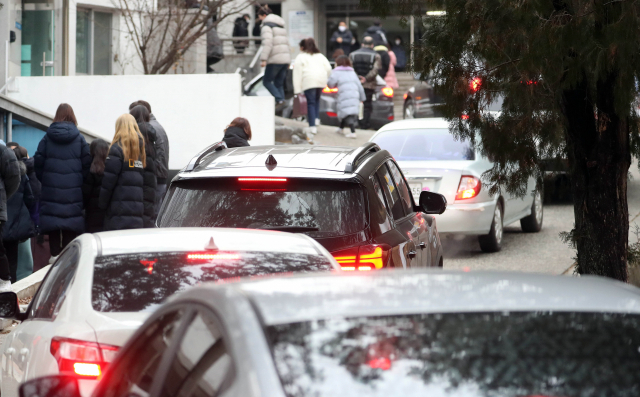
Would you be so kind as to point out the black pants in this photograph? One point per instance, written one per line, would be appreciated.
(5, 273)
(11, 247)
(60, 239)
(350, 121)
(368, 108)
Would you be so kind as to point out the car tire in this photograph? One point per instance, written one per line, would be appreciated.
(533, 222)
(409, 110)
(492, 242)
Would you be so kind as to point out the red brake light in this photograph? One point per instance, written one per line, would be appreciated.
(382, 363)
(388, 92)
(465, 117)
(475, 84)
(363, 258)
(259, 179)
(204, 256)
(327, 90)
(469, 187)
(332, 114)
(86, 359)
(391, 117)
(405, 96)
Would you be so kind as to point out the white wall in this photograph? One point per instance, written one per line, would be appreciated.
(193, 109)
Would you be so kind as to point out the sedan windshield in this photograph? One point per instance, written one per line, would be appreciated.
(424, 144)
(141, 282)
(462, 355)
(317, 208)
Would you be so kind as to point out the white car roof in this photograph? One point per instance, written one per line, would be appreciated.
(431, 122)
(195, 239)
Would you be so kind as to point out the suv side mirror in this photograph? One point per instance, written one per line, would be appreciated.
(432, 203)
(9, 305)
(51, 386)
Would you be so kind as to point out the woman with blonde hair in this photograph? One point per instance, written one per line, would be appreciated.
(123, 183)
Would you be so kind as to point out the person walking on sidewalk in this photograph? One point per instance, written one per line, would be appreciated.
(350, 94)
(342, 38)
(275, 55)
(400, 53)
(21, 211)
(9, 184)
(94, 215)
(366, 63)
(122, 191)
(385, 59)
(161, 148)
(142, 116)
(390, 78)
(238, 133)
(62, 161)
(310, 73)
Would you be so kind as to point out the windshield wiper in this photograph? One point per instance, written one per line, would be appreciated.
(291, 228)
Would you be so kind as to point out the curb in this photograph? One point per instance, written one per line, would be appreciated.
(26, 288)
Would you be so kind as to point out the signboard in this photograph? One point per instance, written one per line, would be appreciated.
(301, 26)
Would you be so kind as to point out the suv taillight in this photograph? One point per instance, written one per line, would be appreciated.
(363, 258)
(86, 359)
(469, 187)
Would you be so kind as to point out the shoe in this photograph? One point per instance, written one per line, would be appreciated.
(339, 131)
(351, 135)
(52, 259)
(313, 130)
(5, 285)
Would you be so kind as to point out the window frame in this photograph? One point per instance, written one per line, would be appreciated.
(388, 194)
(91, 44)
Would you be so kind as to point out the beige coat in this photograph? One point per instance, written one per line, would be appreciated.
(275, 44)
(310, 71)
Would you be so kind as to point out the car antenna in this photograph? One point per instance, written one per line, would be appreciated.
(271, 162)
(211, 246)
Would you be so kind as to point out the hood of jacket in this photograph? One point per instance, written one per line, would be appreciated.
(235, 137)
(62, 132)
(274, 19)
(381, 48)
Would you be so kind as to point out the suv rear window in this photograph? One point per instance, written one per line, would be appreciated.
(142, 281)
(424, 144)
(325, 208)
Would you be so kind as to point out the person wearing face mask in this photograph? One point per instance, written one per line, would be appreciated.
(342, 38)
(400, 53)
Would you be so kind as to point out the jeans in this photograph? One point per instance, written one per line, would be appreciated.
(274, 78)
(368, 108)
(313, 104)
(59, 239)
(11, 249)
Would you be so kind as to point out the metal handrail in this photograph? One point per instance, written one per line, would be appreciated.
(358, 154)
(196, 160)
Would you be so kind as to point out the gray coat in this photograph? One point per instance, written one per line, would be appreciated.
(162, 151)
(350, 91)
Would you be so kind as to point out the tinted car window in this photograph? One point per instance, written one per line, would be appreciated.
(425, 144)
(142, 281)
(333, 208)
(383, 216)
(403, 189)
(462, 354)
(53, 291)
(391, 192)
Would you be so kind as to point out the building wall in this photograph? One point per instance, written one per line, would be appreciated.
(194, 109)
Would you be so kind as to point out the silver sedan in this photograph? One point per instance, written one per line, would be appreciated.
(382, 334)
(432, 159)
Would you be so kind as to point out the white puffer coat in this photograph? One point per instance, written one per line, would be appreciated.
(275, 44)
(310, 71)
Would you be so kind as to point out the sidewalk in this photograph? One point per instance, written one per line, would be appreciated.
(327, 136)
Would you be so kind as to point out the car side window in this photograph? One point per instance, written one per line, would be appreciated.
(54, 288)
(136, 370)
(202, 363)
(385, 213)
(391, 192)
(403, 189)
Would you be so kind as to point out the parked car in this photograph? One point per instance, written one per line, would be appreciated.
(382, 101)
(353, 201)
(382, 334)
(103, 286)
(433, 160)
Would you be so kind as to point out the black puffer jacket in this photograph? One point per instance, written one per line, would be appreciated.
(122, 191)
(9, 178)
(94, 215)
(150, 175)
(61, 162)
(235, 137)
(21, 207)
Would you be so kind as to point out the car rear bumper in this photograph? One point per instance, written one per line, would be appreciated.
(472, 219)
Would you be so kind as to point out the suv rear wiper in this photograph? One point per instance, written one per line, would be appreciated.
(292, 229)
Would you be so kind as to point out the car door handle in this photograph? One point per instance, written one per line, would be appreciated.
(24, 351)
(10, 351)
(423, 245)
(411, 254)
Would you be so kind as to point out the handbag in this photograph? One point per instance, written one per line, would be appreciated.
(299, 106)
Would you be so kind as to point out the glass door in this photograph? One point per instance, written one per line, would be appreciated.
(37, 42)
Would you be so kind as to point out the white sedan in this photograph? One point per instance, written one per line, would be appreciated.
(104, 285)
(432, 159)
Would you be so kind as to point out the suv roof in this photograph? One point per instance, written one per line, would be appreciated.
(294, 161)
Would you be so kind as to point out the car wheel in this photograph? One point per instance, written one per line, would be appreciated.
(492, 242)
(409, 110)
(533, 223)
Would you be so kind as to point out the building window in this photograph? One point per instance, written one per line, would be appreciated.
(93, 42)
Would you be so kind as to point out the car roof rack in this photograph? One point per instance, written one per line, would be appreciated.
(196, 160)
(354, 158)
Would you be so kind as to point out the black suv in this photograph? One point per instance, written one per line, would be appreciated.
(355, 202)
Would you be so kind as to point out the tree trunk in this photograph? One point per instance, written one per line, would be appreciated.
(599, 157)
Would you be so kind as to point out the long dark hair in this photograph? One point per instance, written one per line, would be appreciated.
(142, 116)
(99, 150)
(243, 123)
(65, 113)
(309, 46)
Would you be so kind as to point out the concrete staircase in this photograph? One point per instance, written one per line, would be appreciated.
(405, 81)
